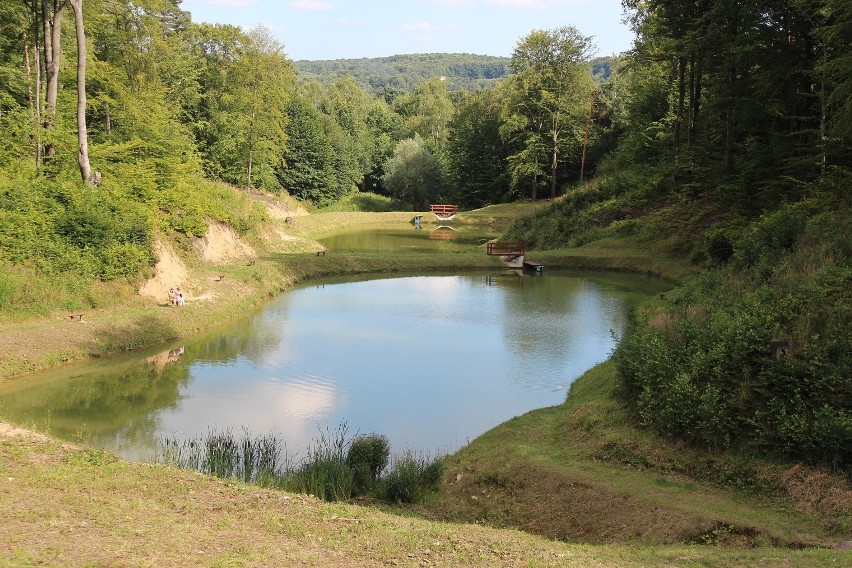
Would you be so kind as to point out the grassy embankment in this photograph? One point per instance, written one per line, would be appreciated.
(578, 471)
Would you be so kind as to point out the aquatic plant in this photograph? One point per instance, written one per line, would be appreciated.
(335, 467)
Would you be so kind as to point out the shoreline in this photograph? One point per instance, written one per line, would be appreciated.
(39, 344)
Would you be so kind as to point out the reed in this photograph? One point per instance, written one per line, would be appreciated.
(411, 478)
(253, 459)
(324, 473)
(328, 471)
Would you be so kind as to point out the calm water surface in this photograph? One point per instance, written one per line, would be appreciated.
(431, 361)
(428, 238)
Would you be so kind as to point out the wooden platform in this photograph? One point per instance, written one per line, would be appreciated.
(505, 248)
(533, 266)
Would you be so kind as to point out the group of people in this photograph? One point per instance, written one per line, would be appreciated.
(176, 297)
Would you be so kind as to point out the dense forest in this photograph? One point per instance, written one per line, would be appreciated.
(724, 135)
(462, 71)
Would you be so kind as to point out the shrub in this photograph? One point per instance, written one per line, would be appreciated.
(709, 370)
(719, 247)
(371, 451)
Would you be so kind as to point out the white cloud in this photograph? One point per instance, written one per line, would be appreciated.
(313, 5)
(429, 27)
(223, 3)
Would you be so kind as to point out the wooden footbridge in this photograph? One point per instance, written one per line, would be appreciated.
(444, 212)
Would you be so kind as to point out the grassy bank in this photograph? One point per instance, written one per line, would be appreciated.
(578, 472)
(126, 514)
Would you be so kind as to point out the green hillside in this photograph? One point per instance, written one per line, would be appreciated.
(462, 71)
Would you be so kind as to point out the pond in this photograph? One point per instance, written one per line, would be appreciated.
(407, 238)
(429, 360)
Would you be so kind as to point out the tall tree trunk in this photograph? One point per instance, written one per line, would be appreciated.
(36, 102)
(730, 133)
(695, 86)
(823, 115)
(82, 131)
(33, 96)
(681, 97)
(251, 133)
(586, 133)
(554, 156)
(51, 14)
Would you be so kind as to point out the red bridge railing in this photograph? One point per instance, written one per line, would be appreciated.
(444, 209)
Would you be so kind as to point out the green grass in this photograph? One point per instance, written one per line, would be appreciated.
(364, 202)
(129, 514)
(579, 471)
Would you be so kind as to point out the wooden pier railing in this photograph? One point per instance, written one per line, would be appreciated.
(504, 248)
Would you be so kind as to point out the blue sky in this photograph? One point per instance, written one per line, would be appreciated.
(342, 29)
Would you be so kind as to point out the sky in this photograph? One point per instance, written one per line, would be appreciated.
(351, 29)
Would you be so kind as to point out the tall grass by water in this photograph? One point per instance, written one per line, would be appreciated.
(336, 467)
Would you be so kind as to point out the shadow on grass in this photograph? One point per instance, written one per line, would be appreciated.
(146, 330)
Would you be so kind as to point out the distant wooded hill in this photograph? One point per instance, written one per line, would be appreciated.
(463, 71)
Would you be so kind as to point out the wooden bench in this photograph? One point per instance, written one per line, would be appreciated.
(320, 253)
(79, 316)
(219, 278)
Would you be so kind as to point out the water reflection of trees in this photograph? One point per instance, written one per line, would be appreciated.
(549, 317)
(252, 338)
(109, 403)
(116, 403)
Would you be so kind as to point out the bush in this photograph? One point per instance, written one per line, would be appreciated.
(709, 370)
(371, 451)
(411, 478)
(719, 247)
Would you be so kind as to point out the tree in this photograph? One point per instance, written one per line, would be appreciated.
(413, 174)
(52, 12)
(753, 90)
(433, 109)
(19, 95)
(384, 126)
(550, 87)
(348, 105)
(307, 169)
(82, 131)
(241, 127)
(478, 157)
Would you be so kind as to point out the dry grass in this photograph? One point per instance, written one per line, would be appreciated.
(67, 506)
